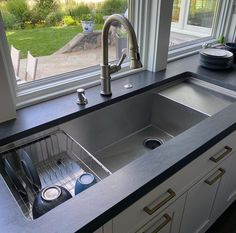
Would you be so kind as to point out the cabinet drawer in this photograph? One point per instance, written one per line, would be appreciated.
(214, 156)
(162, 196)
(167, 221)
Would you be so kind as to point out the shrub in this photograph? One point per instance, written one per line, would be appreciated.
(109, 7)
(43, 8)
(69, 21)
(19, 9)
(86, 17)
(98, 18)
(77, 10)
(35, 17)
(10, 21)
(54, 18)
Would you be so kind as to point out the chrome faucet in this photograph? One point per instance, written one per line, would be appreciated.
(106, 69)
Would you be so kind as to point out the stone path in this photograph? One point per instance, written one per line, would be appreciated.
(62, 63)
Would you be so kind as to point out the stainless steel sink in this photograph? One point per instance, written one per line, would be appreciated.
(116, 135)
(105, 140)
(122, 132)
(199, 95)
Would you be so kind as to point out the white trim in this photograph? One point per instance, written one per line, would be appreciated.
(232, 30)
(163, 35)
(140, 21)
(182, 55)
(192, 48)
(5, 54)
(182, 24)
(201, 30)
(222, 20)
(189, 31)
(183, 8)
(7, 93)
(154, 21)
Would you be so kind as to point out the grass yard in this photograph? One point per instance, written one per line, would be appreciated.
(43, 41)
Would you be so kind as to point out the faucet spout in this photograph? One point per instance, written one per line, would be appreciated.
(106, 69)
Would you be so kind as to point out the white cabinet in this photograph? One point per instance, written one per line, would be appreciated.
(145, 209)
(199, 203)
(168, 221)
(207, 199)
(227, 190)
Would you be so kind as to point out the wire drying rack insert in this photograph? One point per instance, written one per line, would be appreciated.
(58, 159)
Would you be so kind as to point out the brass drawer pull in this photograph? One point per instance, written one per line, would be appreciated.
(212, 181)
(167, 219)
(221, 156)
(159, 205)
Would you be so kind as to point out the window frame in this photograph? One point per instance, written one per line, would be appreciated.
(183, 20)
(152, 36)
(221, 27)
(50, 87)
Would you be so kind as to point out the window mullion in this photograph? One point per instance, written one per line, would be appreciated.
(7, 88)
(183, 13)
(224, 18)
(159, 34)
(232, 27)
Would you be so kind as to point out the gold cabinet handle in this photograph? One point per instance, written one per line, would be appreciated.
(212, 181)
(221, 156)
(159, 205)
(167, 219)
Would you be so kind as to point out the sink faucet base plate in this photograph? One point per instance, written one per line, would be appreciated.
(105, 93)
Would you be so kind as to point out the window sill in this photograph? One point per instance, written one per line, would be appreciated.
(53, 87)
(188, 48)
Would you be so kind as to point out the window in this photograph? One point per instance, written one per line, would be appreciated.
(193, 20)
(59, 72)
(59, 37)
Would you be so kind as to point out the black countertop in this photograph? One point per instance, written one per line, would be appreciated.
(106, 199)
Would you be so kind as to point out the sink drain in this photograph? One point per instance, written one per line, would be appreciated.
(152, 143)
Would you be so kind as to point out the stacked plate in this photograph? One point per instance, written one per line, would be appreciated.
(216, 59)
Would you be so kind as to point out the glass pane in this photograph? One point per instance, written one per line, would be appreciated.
(197, 24)
(201, 13)
(59, 36)
(176, 10)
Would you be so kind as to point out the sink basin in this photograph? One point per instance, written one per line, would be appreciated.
(118, 134)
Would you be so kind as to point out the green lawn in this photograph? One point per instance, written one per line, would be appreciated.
(43, 41)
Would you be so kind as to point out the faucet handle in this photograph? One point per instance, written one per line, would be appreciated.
(115, 68)
(123, 56)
